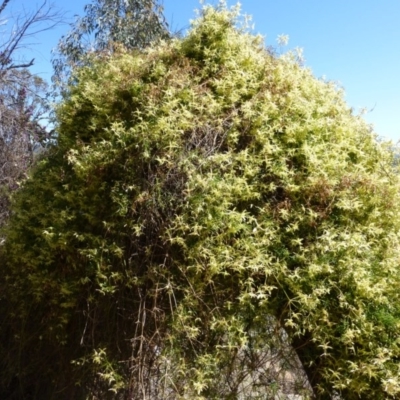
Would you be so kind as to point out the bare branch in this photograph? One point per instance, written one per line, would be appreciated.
(26, 25)
(26, 65)
(4, 5)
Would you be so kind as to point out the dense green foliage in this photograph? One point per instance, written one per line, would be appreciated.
(207, 200)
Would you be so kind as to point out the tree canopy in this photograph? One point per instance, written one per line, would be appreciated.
(133, 24)
(209, 206)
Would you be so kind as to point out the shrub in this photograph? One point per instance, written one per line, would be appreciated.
(210, 207)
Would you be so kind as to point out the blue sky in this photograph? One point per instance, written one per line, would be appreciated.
(353, 42)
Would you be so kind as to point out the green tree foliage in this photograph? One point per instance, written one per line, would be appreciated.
(133, 24)
(208, 205)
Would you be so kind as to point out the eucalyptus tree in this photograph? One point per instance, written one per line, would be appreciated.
(211, 213)
(134, 24)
